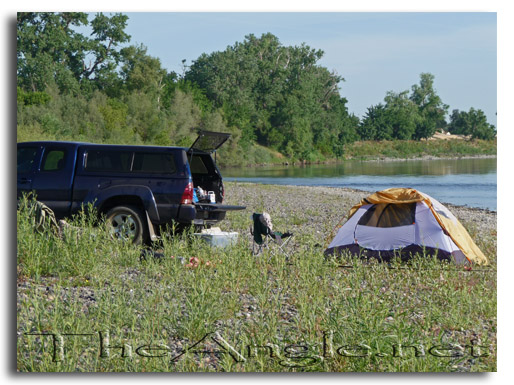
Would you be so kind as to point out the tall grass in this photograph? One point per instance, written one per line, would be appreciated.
(90, 303)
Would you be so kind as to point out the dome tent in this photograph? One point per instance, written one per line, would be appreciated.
(403, 222)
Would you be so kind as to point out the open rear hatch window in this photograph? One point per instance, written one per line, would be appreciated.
(208, 141)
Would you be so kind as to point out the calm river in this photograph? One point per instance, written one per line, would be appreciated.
(470, 182)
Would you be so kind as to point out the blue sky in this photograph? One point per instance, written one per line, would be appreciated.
(374, 52)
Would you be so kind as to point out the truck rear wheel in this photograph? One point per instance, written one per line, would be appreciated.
(127, 223)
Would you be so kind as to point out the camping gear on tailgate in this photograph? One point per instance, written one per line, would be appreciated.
(403, 222)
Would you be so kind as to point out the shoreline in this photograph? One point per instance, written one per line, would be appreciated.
(334, 191)
(427, 157)
(358, 159)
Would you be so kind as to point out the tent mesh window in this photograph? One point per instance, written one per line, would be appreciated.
(389, 215)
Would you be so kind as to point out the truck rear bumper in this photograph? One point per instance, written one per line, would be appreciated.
(186, 214)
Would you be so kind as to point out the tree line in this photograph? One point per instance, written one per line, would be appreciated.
(272, 98)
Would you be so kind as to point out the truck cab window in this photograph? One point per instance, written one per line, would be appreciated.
(108, 161)
(154, 163)
(25, 159)
(54, 160)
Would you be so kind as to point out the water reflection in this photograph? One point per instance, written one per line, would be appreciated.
(403, 167)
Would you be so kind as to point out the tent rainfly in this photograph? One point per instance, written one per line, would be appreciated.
(403, 222)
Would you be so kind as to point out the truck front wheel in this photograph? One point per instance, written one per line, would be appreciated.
(127, 223)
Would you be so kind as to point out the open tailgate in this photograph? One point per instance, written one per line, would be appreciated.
(218, 207)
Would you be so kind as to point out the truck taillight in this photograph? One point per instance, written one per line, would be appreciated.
(187, 195)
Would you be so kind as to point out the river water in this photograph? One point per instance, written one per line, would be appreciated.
(466, 182)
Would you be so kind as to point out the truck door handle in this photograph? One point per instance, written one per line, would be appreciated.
(24, 180)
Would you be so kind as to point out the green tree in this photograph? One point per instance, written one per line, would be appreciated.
(50, 50)
(47, 49)
(31, 98)
(142, 73)
(144, 118)
(473, 123)
(376, 124)
(403, 114)
(115, 115)
(431, 109)
(172, 83)
(458, 123)
(275, 94)
(104, 48)
(186, 117)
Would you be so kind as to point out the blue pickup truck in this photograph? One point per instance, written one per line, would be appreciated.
(137, 188)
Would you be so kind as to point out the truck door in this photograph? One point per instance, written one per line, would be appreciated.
(54, 182)
(27, 162)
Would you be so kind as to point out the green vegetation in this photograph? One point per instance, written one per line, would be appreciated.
(306, 315)
(473, 123)
(275, 100)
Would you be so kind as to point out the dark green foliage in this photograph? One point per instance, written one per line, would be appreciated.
(403, 114)
(376, 124)
(277, 95)
(419, 115)
(51, 51)
(431, 109)
(472, 123)
(31, 98)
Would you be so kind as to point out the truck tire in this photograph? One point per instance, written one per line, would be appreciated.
(127, 223)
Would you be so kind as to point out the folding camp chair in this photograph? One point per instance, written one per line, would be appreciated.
(265, 238)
